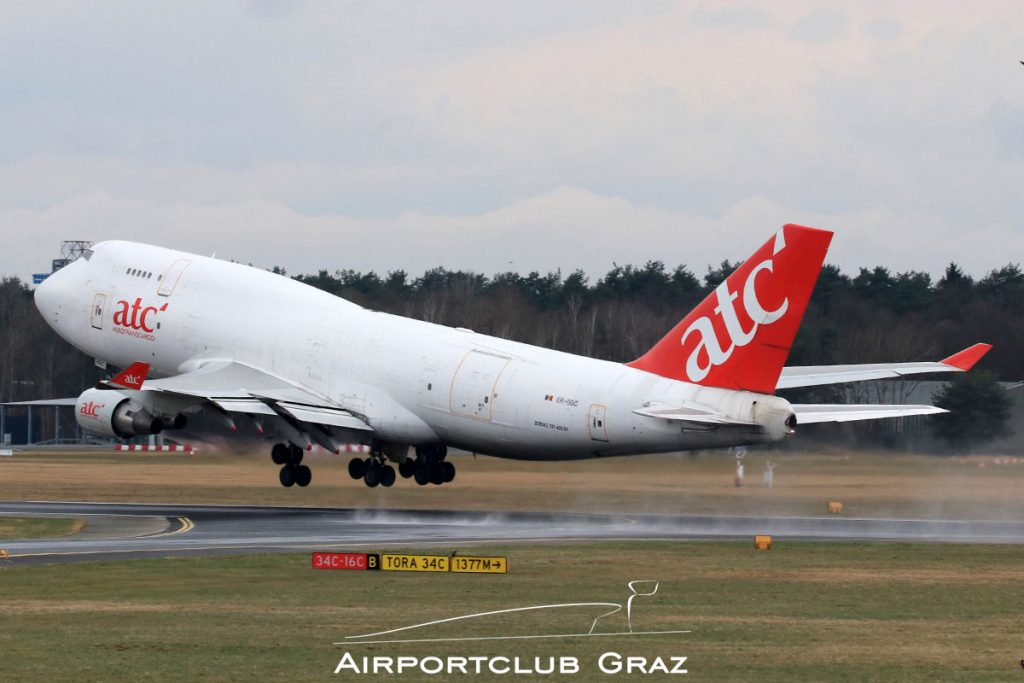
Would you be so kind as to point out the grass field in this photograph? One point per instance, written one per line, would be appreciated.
(15, 528)
(802, 611)
(869, 485)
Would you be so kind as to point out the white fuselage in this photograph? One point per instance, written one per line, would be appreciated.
(414, 382)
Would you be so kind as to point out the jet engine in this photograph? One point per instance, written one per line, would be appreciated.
(113, 413)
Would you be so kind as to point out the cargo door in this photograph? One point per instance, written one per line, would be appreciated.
(472, 392)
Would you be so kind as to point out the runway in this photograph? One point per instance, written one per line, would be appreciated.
(121, 531)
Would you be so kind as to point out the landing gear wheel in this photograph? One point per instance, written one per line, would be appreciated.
(356, 468)
(287, 476)
(387, 475)
(437, 473)
(407, 469)
(296, 454)
(422, 473)
(449, 472)
(372, 475)
(303, 475)
(280, 453)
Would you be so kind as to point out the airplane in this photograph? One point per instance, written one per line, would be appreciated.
(296, 366)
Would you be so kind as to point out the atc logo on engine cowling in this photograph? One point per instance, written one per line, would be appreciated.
(136, 319)
(91, 409)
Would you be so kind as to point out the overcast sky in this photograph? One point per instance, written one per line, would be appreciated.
(513, 135)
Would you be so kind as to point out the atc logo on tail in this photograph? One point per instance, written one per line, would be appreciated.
(707, 341)
(744, 346)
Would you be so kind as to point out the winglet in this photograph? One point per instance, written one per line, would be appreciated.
(132, 377)
(966, 359)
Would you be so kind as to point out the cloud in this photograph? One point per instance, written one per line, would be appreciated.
(822, 26)
(568, 135)
(566, 228)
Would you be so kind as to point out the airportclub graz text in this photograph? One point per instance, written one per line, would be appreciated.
(136, 316)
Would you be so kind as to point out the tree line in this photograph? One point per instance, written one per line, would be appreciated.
(875, 315)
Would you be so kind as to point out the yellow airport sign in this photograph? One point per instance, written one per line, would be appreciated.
(414, 563)
(468, 564)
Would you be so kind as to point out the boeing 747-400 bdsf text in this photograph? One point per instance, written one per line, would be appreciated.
(272, 356)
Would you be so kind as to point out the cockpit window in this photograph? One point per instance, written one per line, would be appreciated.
(87, 254)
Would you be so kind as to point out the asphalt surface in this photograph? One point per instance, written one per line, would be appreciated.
(121, 531)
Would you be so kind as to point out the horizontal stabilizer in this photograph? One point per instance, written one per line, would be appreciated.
(817, 375)
(811, 413)
(687, 414)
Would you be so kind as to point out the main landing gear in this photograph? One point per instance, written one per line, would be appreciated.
(374, 471)
(293, 472)
(429, 467)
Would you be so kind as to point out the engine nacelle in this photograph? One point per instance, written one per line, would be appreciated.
(113, 413)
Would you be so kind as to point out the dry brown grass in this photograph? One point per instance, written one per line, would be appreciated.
(869, 485)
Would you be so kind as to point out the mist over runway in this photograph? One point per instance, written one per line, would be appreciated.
(124, 531)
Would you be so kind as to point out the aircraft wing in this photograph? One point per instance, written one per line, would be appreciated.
(45, 402)
(810, 413)
(239, 388)
(816, 375)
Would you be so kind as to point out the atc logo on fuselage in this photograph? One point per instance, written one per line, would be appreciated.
(137, 320)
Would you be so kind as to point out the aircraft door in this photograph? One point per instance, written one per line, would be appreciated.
(169, 280)
(598, 424)
(315, 360)
(472, 392)
(99, 305)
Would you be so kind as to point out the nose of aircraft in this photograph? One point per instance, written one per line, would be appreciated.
(50, 295)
